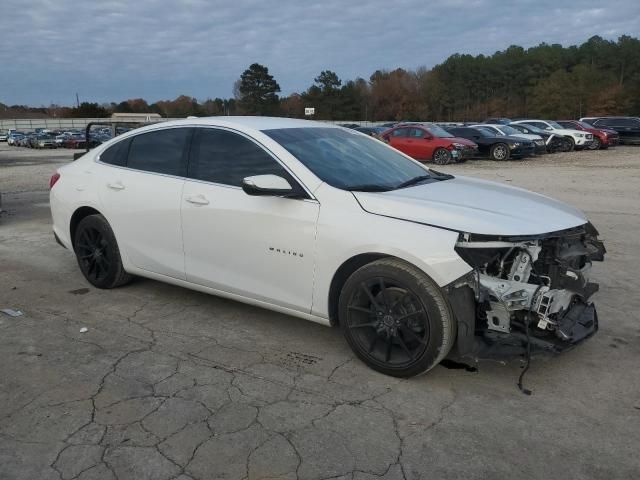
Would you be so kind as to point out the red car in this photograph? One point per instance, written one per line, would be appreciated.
(428, 142)
(602, 137)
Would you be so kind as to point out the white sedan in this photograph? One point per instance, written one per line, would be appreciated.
(333, 226)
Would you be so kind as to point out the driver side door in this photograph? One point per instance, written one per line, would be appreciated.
(260, 247)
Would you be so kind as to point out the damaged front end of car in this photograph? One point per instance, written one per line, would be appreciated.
(529, 292)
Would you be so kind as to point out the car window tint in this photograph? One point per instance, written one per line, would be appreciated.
(116, 154)
(416, 133)
(161, 151)
(626, 122)
(401, 132)
(220, 156)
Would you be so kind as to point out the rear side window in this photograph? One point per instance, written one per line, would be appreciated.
(400, 132)
(116, 154)
(162, 151)
(220, 156)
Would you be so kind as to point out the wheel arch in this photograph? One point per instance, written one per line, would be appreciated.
(76, 218)
(341, 275)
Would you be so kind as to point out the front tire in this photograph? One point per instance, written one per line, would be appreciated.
(500, 152)
(442, 156)
(596, 144)
(395, 318)
(98, 254)
(569, 144)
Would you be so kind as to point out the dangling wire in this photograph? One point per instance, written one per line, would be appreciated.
(526, 391)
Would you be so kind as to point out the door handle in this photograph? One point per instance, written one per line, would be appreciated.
(197, 199)
(115, 186)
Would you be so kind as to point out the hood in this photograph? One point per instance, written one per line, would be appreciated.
(476, 206)
(527, 136)
(463, 141)
(568, 131)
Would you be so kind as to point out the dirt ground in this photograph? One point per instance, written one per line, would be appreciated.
(169, 383)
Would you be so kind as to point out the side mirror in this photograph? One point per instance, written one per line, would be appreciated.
(548, 128)
(266, 185)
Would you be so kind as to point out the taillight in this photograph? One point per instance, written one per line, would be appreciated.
(54, 178)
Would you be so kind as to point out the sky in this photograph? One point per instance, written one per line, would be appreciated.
(113, 50)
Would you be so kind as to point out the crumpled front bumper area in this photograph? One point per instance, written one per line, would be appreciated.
(526, 293)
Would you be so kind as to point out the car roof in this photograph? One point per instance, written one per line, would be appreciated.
(252, 123)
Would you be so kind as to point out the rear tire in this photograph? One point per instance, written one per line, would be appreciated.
(395, 318)
(98, 254)
(500, 152)
(442, 156)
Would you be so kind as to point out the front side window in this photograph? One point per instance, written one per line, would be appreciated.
(220, 156)
(346, 160)
(416, 133)
(160, 151)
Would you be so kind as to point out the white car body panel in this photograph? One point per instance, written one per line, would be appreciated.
(580, 138)
(485, 208)
(265, 250)
(224, 247)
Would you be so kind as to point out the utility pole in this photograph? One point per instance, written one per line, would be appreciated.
(77, 100)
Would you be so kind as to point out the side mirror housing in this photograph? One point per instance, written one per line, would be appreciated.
(266, 185)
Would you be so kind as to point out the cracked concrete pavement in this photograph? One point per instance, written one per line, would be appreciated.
(169, 383)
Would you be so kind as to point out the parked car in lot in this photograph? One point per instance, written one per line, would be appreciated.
(14, 138)
(331, 226)
(498, 121)
(3, 136)
(505, 130)
(491, 145)
(44, 141)
(602, 137)
(375, 132)
(628, 128)
(76, 141)
(554, 142)
(577, 138)
(429, 142)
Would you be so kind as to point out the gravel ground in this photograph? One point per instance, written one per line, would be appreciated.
(169, 383)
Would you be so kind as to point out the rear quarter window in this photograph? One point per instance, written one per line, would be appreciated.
(116, 154)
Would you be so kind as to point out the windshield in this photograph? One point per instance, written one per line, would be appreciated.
(348, 160)
(554, 124)
(584, 124)
(437, 131)
(485, 132)
(531, 128)
(509, 130)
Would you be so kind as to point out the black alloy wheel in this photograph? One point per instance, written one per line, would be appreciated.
(395, 318)
(97, 253)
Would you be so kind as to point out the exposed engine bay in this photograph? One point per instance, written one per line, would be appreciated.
(528, 290)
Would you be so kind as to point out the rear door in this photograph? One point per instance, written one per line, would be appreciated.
(420, 146)
(398, 139)
(259, 247)
(140, 187)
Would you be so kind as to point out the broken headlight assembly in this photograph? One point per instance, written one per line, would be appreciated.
(533, 290)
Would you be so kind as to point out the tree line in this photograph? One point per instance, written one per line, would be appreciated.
(598, 77)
